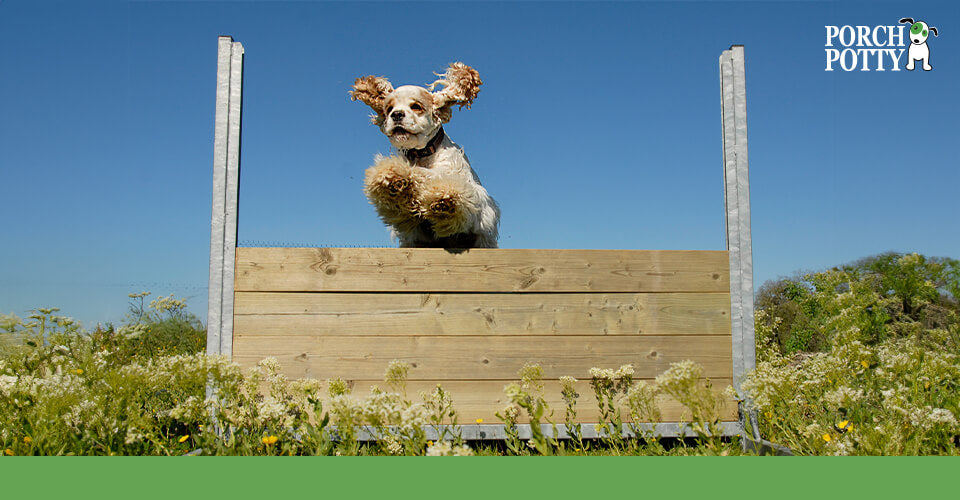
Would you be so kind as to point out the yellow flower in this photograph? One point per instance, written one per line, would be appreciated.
(479, 420)
(926, 385)
(768, 414)
(9, 452)
(865, 364)
(184, 438)
(27, 439)
(269, 440)
(843, 424)
(826, 437)
(429, 443)
(78, 371)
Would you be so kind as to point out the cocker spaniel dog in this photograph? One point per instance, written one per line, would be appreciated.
(428, 193)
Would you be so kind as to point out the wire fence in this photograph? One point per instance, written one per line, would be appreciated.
(299, 244)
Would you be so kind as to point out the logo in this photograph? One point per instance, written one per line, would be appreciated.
(918, 43)
(878, 48)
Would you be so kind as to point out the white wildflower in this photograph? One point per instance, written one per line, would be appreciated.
(440, 449)
(270, 410)
(942, 416)
(511, 413)
(843, 396)
(447, 449)
(396, 373)
(813, 430)
(270, 365)
(133, 436)
(513, 390)
(603, 374)
(393, 446)
(7, 385)
(462, 451)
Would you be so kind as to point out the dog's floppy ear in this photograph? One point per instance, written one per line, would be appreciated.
(906, 20)
(934, 30)
(372, 90)
(461, 84)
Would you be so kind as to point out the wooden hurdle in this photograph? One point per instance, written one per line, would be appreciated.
(469, 320)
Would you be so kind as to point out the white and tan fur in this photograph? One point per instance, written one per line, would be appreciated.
(427, 193)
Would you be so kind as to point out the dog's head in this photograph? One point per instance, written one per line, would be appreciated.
(410, 115)
(919, 31)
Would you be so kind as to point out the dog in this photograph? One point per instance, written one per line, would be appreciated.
(919, 51)
(428, 194)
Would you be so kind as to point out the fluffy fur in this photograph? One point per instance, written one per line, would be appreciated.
(428, 194)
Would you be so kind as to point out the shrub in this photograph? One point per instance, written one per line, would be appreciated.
(888, 295)
(885, 377)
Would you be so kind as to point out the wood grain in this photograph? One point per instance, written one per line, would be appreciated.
(482, 358)
(480, 270)
(471, 320)
(263, 313)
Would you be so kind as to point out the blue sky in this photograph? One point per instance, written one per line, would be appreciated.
(598, 126)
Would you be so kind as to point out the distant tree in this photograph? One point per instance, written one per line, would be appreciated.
(894, 294)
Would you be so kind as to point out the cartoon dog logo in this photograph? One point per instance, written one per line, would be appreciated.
(918, 43)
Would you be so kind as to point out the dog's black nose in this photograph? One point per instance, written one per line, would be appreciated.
(397, 116)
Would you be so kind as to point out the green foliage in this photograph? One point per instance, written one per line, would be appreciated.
(608, 388)
(885, 295)
(861, 359)
(164, 328)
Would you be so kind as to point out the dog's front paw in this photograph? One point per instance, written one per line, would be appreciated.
(444, 207)
(390, 179)
(391, 185)
(447, 204)
(398, 187)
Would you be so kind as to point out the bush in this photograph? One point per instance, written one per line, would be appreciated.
(861, 359)
(890, 294)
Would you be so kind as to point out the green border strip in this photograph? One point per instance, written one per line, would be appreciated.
(477, 477)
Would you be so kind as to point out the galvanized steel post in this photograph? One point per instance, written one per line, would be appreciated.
(226, 183)
(737, 201)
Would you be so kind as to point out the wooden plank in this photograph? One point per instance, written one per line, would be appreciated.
(265, 313)
(480, 270)
(482, 357)
(483, 399)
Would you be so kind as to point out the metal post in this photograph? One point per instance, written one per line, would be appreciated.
(226, 183)
(737, 201)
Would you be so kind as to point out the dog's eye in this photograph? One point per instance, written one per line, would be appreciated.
(416, 107)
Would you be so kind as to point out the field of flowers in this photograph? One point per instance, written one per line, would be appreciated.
(859, 360)
(862, 359)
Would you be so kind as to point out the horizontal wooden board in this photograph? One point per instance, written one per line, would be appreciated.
(483, 399)
(480, 270)
(481, 357)
(266, 313)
